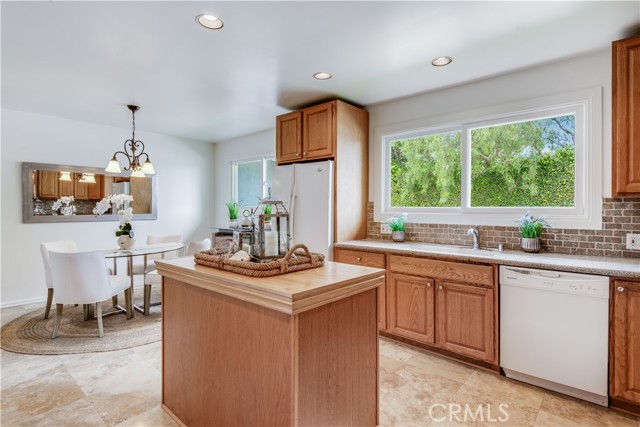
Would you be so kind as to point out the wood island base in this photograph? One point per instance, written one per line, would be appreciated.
(230, 362)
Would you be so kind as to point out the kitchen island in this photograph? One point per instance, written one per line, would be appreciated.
(294, 349)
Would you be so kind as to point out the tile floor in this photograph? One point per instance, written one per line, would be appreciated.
(122, 388)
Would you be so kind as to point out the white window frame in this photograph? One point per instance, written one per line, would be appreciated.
(233, 177)
(587, 212)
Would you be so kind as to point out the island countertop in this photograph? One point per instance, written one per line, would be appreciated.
(289, 293)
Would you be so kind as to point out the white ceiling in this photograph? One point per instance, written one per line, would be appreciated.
(87, 60)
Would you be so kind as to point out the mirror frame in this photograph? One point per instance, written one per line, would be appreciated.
(27, 196)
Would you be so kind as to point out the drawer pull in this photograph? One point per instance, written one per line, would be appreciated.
(620, 289)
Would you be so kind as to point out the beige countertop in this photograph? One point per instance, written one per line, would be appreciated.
(289, 293)
(605, 266)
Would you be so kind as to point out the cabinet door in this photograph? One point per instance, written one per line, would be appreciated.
(66, 188)
(374, 260)
(625, 345)
(81, 191)
(95, 191)
(318, 131)
(625, 113)
(289, 137)
(47, 184)
(411, 307)
(465, 320)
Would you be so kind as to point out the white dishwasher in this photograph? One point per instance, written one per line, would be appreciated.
(554, 330)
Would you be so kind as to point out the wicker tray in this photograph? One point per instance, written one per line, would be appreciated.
(219, 258)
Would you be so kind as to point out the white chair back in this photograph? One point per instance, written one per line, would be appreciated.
(198, 246)
(65, 246)
(79, 278)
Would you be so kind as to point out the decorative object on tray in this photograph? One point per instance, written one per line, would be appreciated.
(272, 235)
(125, 213)
(531, 229)
(65, 205)
(232, 208)
(396, 223)
(297, 258)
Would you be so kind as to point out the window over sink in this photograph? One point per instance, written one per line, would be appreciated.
(543, 155)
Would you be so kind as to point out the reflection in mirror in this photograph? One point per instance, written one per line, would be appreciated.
(59, 193)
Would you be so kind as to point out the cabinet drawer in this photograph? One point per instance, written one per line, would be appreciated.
(366, 259)
(457, 271)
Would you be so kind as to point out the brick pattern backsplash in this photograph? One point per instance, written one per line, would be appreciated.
(620, 215)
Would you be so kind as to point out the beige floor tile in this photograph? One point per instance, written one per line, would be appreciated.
(442, 366)
(585, 413)
(80, 413)
(485, 387)
(545, 419)
(155, 417)
(151, 353)
(16, 368)
(395, 350)
(48, 390)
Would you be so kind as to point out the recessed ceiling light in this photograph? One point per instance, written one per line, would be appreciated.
(209, 21)
(322, 76)
(441, 61)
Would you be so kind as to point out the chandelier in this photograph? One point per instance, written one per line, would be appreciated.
(131, 147)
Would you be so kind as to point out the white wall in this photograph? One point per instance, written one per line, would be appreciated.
(582, 72)
(185, 191)
(246, 147)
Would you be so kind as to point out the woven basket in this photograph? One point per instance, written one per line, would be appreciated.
(298, 258)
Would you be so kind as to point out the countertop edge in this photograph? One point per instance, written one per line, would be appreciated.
(563, 262)
(232, 285)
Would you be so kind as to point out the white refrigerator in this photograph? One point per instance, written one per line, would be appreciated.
(307, 192)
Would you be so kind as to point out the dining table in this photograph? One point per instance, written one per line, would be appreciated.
(140, 251)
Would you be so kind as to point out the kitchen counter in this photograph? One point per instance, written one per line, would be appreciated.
(604, 266)
(239, 350)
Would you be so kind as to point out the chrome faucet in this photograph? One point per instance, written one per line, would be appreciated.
(473, 232)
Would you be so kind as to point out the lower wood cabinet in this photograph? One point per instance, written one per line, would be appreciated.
(465, 320)
(625, 343)
(444, 305)
(368, 259)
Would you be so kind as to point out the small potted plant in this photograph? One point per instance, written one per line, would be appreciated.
(396, 223)
(233, 213)
(531, 229)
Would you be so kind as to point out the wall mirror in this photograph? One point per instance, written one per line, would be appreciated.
(46, 191)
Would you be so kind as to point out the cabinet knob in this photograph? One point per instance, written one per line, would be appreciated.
(305, 153)
(358, 259)
(297, 154)
(440, 288)
(620, 289)
(428, 285)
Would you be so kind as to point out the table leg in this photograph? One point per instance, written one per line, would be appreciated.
(129, 303)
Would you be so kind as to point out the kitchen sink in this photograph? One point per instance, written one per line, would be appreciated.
(455, 250)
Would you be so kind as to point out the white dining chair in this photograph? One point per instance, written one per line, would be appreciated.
(66, 246)
(153, 278)
(81, 278)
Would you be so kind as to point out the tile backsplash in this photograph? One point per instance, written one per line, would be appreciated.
(620, 215)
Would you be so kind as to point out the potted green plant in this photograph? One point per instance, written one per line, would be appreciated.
(396, 223)
(232, 207)
(531, 229)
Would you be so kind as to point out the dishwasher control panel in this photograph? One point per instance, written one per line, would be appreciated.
(555, 281)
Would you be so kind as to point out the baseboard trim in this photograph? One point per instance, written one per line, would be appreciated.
(23, 302)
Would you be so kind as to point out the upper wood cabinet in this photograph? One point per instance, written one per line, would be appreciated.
(289, 137)
(625, 113)
(88, 191)
(47, 185)
(625, 343)
(316, 132)
(51, 187)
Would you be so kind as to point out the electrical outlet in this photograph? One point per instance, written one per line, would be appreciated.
(385, 229)
(633, 241)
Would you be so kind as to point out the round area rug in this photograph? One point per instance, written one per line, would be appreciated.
(31, 334)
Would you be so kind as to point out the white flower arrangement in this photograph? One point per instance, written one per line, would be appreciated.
(124, 214)
(64, 202)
